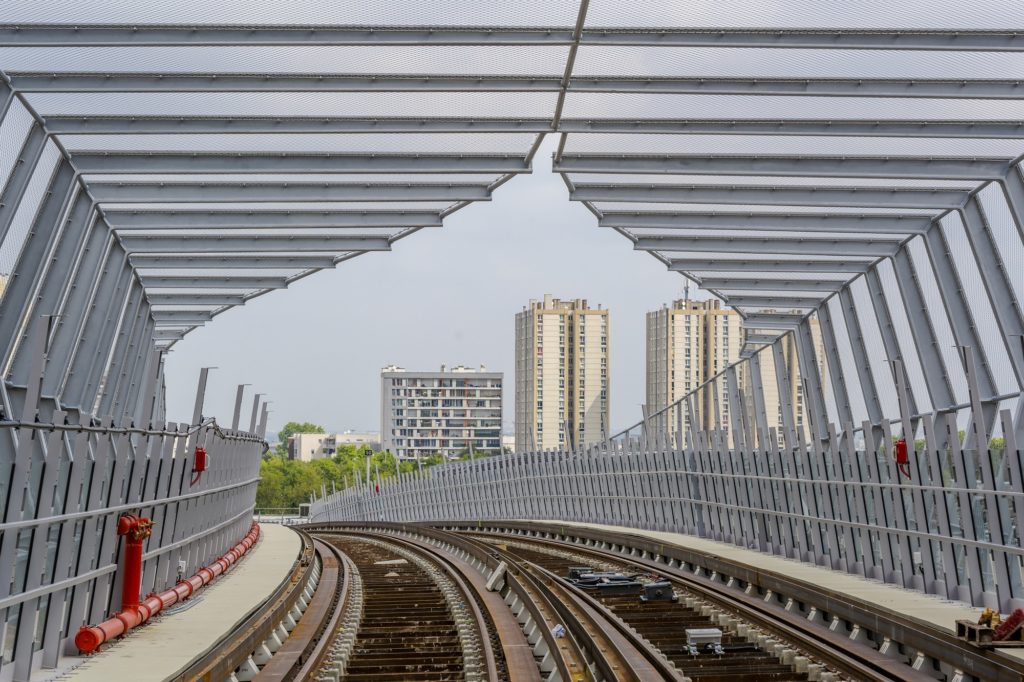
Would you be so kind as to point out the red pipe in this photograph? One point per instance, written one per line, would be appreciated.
(89, 638)
(136, 530)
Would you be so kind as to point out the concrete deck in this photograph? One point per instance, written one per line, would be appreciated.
(164, 647)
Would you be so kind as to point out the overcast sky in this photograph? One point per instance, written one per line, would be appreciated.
(444, 295)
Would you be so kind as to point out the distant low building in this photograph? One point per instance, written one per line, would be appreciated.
(369, 438)
(306, 447)
(451, 412)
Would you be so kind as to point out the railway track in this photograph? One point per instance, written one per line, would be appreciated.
(408, 629)
(798, 638)
(408, 632)
(418, 602)
(664, 623)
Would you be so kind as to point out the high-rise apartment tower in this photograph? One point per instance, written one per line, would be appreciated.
(689, 342)
(562, 381)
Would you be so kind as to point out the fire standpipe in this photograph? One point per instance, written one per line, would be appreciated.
(133, 612)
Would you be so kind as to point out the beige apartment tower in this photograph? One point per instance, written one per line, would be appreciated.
(689, 342)
(562, 381)
(772, 400)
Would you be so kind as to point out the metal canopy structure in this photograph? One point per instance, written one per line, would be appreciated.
(846, 176)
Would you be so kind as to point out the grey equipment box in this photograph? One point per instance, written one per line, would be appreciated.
(703, 636)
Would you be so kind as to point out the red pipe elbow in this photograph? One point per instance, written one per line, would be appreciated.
(89, 638)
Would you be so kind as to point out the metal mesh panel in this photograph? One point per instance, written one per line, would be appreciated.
(301, 104)
(805, 13)
(12, 244)
(991, 337)
(361, 59)
(642, 105)
(301, 12)
(1006, 235)
(774, 145)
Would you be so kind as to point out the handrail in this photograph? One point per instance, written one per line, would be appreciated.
(90, 428)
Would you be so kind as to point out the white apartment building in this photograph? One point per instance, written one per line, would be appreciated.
(562, 381)
(450, 412)
(309, 446)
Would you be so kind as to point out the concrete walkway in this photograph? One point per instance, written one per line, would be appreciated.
(167, 645)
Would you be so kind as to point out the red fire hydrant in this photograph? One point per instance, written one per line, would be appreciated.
(135, 530)
(902, 455)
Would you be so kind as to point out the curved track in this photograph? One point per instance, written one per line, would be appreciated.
(471, 603)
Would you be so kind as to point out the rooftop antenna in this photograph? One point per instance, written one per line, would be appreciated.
(686, 291)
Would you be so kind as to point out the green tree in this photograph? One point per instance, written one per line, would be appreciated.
(286, 483)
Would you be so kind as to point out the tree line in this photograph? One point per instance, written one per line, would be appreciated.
(287, 483)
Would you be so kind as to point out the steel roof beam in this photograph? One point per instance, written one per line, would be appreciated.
(114, 35)
(194, 299)
(314, 82)
(195, 125)
(782, 325)
(821, 128)
(160, 163)
(196, 281)
(740, 301)
(715, 264)
(84, 124)
(777, 286)
(805, 87)
(782, 195)
(181, 316)
(799, 246)
(755, 319)
(183, 244)
(241, 192)
(175, 325)
(232, 82)
(762, 338)
(793, 222)
(170, 334)
(925, 168)
(231, 261)
(239, 220)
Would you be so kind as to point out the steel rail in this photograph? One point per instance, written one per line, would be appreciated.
(306, 646)
(519, 665)
(568, 657)
(640, 656)
(469, 592)
(617, 651)
(226, 654)
(625, 654)
(862, 665)
(930, 641)
(613, 657)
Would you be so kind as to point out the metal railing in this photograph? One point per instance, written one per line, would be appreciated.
(829, 503)
(69, 484)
